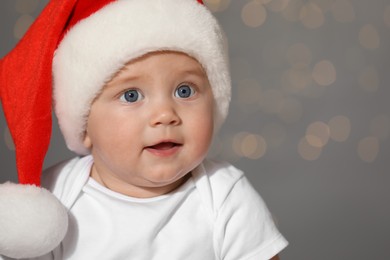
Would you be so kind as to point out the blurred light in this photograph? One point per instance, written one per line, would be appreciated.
(317, 134)
(380, 127)
(339, 128)
(311, 16)
(307, 151)
(274, 134)
(22, 25)
(249, 145)
(26, 6)
(369, 37)
(325, 5)
(368, 149)
(249, 91)
(278, 5)
(8, 139)
(386, 16)
(295, 80)
(254, 14)
(354, 58)
(343, 11)
(291, 11)
(217, 5)
(271, 101)
(253, 146)
(291, 110)
(237, 141)
(299, 55)
(324, 73)
(369, 79)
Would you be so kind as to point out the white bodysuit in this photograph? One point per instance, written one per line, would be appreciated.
(216, 214)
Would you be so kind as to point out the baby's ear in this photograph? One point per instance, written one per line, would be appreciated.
(87, 141)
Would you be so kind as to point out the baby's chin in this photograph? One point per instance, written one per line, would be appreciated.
(170, 186)
(146, 186)
(172, 180)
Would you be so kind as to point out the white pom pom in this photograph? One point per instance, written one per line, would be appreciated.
(32, 221)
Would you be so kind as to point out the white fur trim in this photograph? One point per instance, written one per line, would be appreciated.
(100, 45)
(32, 221)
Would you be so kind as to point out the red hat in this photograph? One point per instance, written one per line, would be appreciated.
(73, 48)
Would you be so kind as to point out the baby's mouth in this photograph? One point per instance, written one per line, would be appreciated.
(164, 149)
(164, 146)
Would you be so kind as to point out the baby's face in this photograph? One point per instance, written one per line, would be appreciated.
(151, 125)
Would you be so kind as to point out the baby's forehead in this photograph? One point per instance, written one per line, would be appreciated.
(176, 63)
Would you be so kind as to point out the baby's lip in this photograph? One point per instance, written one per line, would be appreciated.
(163, 149)
(164, 145)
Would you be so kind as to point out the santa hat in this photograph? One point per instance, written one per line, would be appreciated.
(73, 49)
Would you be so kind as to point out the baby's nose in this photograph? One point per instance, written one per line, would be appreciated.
(165, 114)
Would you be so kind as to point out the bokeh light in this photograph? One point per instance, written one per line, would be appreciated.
(339, 128)
(368, 149)
(369, 37)
(317, 134)
(343, 11)
(311, 16)
(251, 146)
(217, 5)
(295, 80)
(307, 151)
(278, 5)
(325, 5)
(369, 79)
(380, 127)
(254, 13)
(292, 10)
(324, 73)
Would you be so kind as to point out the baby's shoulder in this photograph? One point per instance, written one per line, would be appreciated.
(217, 181)
(221, 173)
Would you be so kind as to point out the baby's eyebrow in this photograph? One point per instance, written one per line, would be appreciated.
(123, 79)
(194, 71)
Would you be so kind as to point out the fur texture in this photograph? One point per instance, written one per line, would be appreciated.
(99, 46)
(33, 221)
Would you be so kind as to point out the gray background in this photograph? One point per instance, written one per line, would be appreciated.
(309, 121)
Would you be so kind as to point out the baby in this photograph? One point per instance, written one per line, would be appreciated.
(140, 88)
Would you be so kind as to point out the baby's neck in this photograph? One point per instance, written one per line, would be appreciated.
(136, 191)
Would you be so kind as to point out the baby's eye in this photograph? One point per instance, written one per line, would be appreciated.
(184, 91)
(131, 96)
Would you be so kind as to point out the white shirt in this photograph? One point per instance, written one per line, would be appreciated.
(216, 214)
